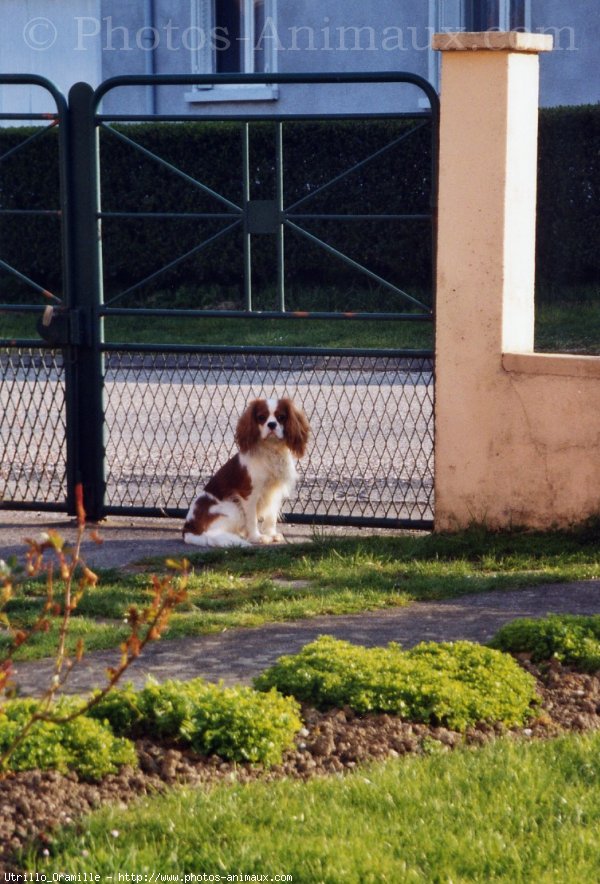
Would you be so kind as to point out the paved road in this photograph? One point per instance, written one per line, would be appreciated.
(169, 424)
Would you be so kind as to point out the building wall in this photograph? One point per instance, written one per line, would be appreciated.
(391, 37)
(569, 74)
(41, 37)
(92, 40)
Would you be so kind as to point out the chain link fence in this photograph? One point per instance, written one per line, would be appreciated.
(32, 427)
(170, 421)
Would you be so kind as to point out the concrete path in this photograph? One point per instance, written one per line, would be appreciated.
(125, 539)
(237, 655)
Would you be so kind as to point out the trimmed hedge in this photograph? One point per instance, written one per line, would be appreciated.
(315, 152)
(452, 684)
(568, 219)
(570, 638)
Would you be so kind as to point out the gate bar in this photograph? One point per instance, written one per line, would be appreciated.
(86, 285)
(286, 518)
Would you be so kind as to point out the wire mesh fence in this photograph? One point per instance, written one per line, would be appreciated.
(170, 421)
(32, 427)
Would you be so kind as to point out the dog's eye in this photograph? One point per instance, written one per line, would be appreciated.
(260, 418)
(281, 418)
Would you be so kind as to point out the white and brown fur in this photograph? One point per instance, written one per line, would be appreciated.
(251, 487)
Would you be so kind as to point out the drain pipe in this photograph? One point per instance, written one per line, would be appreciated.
(150, 43)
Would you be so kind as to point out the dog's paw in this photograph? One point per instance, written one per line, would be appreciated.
(267, 538)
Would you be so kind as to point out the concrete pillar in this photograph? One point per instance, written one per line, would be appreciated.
(502, 428)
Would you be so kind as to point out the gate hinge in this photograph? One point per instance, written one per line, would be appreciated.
(60, 327)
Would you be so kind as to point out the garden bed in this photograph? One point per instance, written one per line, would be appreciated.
(34, 803)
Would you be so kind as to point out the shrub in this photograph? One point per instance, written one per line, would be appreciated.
(244, 725)
(167, 708)
(239, 724)
(85, 746)
(456, 685)
(570, 638)
(119, 709)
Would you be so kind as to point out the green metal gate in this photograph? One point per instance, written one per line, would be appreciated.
(38, 450)
(150, 421)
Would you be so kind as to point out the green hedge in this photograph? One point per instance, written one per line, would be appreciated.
(398, 182)
(568, 225)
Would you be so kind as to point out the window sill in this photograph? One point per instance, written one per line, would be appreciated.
(215, 94)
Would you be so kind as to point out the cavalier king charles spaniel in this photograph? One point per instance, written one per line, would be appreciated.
(251, 486)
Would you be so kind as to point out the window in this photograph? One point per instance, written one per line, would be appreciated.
(474, 15)
(503, 15)
(233, 36)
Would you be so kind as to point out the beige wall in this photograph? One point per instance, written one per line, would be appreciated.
(517, 433)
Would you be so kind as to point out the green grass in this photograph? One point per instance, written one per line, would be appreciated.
(510, 812)
(267, 332)
(560, 327)
(571, 328)
(249, 587)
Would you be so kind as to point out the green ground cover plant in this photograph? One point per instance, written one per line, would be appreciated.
(510, 812)
(452, 684)
(238, 724)
(330, 575)
(570, 638)
(88, 747)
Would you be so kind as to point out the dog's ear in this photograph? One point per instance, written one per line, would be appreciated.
(296, 428)
(247, 434)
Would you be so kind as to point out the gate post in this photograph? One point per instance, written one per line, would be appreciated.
(86, 296)
(485, 273)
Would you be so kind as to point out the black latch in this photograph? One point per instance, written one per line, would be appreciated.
(59, 326)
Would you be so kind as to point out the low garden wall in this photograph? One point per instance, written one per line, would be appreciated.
(517, 433)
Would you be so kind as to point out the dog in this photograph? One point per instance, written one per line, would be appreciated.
(252, 485)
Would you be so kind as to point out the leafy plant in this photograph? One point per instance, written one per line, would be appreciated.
(74, 577)
(570, 638)
(83, 745)
(238, 723)
(455, 684)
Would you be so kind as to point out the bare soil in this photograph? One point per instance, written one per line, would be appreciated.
(35, 804)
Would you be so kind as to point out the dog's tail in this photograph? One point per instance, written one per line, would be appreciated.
(220, 539)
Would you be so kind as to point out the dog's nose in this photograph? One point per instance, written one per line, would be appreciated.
(272, 425)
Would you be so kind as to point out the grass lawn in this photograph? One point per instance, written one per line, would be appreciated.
(560, 327)
(569, 328)
(511, 811)
(249, 587)
(514, 812)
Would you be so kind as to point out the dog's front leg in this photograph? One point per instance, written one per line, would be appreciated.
(250, 507)
(269, 516)
(270, 509)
